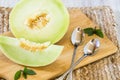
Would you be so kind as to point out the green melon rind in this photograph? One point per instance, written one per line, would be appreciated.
(9, 47)
(55, 36)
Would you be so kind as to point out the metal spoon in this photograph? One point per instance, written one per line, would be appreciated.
(76, 39)
(90, 48)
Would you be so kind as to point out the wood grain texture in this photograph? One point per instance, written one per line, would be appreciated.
(77, 18)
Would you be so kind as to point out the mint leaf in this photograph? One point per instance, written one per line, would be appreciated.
(89, 31)
(17, 75)
(99, 33)
(24, 75)
(24, 72)
(29, 71)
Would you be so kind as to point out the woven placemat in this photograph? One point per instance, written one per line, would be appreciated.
(105, 69)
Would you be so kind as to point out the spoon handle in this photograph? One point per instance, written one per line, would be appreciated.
(69, 76)
(76, 63)
(73, 57)
(72, 67)
(72, 62)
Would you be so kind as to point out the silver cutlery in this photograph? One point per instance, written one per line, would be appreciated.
(90, 48)
(76, 39)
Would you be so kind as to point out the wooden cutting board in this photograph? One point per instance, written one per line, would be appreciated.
(77, 18)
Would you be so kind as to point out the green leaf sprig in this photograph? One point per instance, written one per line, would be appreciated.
(90, 31)
(24, 72)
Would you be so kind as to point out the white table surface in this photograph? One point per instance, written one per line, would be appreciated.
(115, 4)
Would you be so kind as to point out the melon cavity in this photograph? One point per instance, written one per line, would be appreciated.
(39, 20)
(29, 53)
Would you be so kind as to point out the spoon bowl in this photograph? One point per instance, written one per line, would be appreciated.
(77, 36)
(91, 47)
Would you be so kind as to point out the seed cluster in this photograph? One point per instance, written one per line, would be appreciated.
(38, 21)
(32, 46)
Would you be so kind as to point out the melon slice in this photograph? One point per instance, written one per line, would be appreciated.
(29, 53)
(39, 20)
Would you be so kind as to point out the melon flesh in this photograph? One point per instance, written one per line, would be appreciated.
(54, 20)
(12, 49)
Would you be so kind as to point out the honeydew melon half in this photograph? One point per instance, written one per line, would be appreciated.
(39, 20)
(29, 53)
